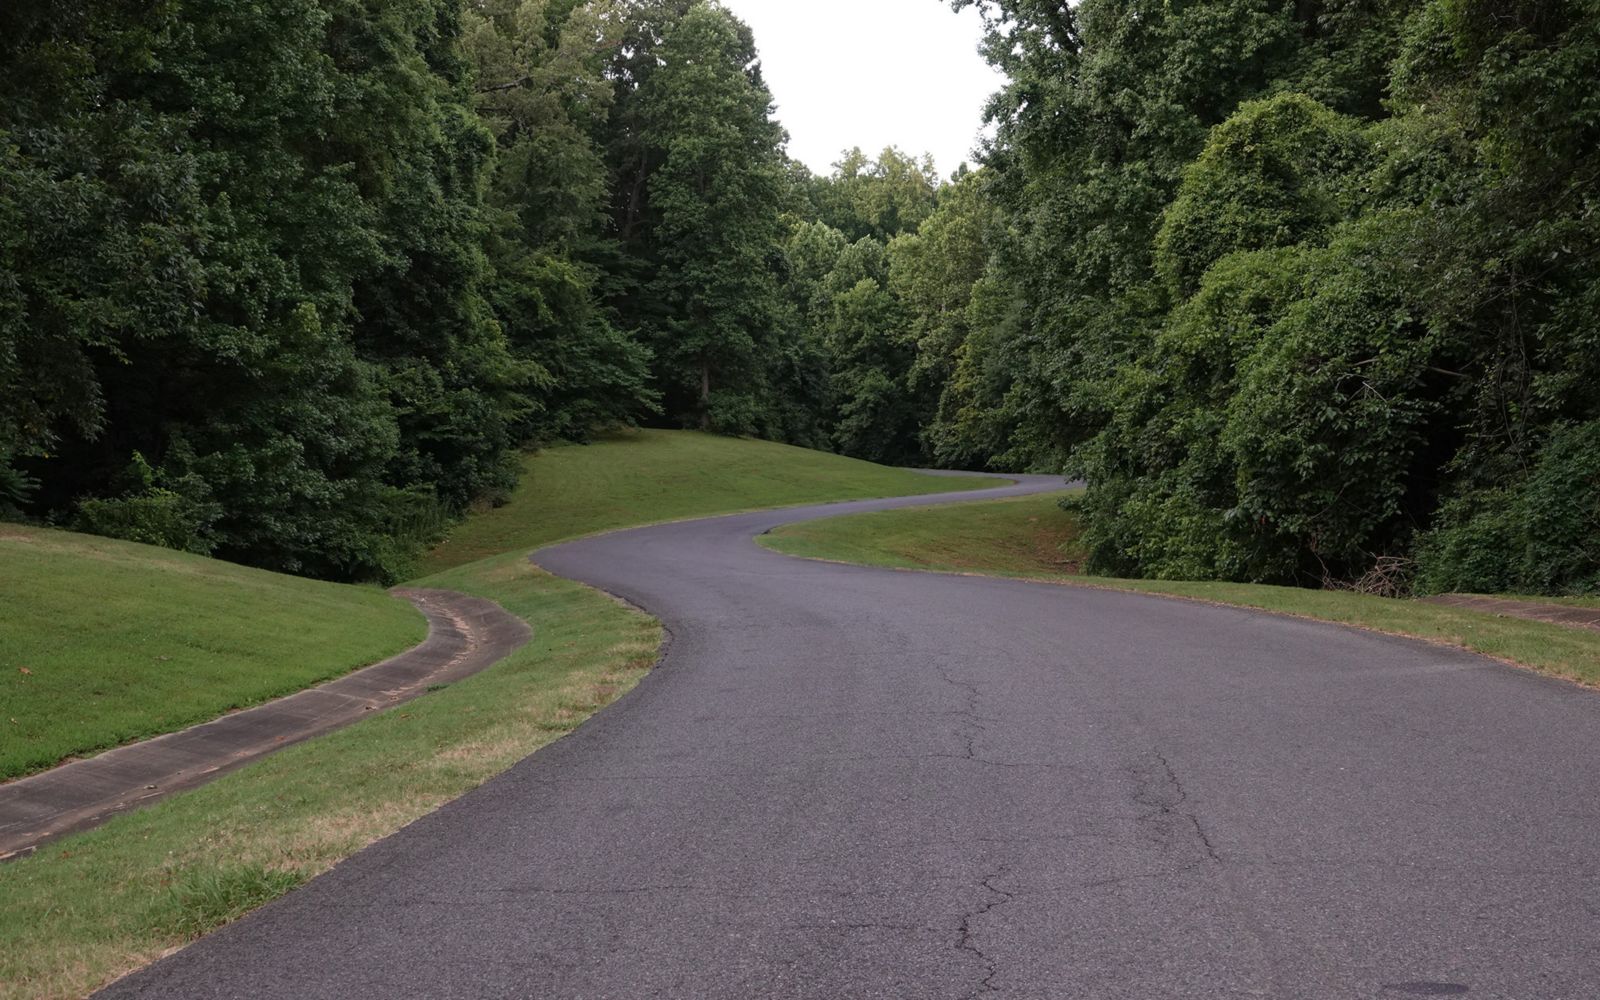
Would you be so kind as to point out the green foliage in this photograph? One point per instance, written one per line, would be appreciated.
(937, 273)
(1540, 536)
(200, 900)
(871, 359)
(1274, 174)
(199, 310)
(178, 518)
(1331, 413)
(1295, 285)
(1283, 328)
(701, 183)
(16, 488)
(541, 88)
(880, 198)
(287, 253)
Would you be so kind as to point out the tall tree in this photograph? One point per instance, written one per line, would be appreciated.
(879, 198)
(540, 69)
(405, 127)
(934, 272)
(704, 118)
(190, 309)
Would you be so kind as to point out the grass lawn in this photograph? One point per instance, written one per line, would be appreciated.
(103, 642)
(90, 907)
(1032, 537)
(642, 477)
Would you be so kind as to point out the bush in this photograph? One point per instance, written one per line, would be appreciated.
(1276, 173)
(155, 517)
(1541, 536)
(16, 487)
(181, 517)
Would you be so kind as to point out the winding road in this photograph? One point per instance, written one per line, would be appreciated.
(855, 783)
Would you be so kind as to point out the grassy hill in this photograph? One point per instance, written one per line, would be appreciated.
(641, 477)
(107, 641)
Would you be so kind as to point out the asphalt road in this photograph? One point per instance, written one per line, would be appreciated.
(853, 783)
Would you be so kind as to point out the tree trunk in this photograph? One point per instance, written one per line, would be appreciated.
(635, 201)
(705, 394)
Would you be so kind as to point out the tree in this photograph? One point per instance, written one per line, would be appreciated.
(195, 306)
(933, 273)
(1284, 327)
(879, 199)
(540, 84)
(705, 118)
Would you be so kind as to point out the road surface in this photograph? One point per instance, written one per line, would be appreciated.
(855, 783)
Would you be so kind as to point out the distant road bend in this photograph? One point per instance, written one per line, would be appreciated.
(851, 783)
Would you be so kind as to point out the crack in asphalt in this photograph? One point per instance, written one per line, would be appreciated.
(967, 940)
(1149, 795)
(974, 726)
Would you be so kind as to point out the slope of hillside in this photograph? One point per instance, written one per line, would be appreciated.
(640, 477)
(106, 642)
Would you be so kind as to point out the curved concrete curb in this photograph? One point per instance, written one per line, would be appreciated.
(1555, 614)
(465, 635)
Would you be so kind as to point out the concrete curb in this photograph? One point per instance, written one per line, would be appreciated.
(1555, 614)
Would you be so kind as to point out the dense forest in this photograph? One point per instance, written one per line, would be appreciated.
(1304, 290)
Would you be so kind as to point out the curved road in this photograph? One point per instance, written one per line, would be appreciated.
(857, 783)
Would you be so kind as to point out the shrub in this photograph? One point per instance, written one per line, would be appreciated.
(155, 517)
(16, 487)
(180, 516)
(1539, 536)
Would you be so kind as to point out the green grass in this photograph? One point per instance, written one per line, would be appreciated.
(1033, 538)
(107, 642)
(94, 906)
(642, 477)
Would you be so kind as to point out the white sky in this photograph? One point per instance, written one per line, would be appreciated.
(872, 73)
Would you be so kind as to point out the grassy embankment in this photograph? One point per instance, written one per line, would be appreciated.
(649, 476)
(1033, 538)
(96, 905)
(106, 642)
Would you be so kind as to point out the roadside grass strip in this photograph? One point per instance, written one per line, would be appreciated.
(105, 642)
(94, 906)
(1033, 538)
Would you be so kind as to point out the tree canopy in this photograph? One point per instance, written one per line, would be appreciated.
(1296, 286)
(1300, 288)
